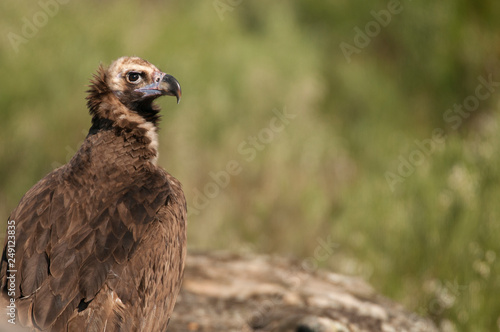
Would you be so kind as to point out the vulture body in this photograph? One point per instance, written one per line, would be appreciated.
(99, 244)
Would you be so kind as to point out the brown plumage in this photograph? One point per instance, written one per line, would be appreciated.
(100, 242)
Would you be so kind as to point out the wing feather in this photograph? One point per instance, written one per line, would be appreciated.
(68, 241)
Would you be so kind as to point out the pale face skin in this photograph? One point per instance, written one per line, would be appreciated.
(133, 74)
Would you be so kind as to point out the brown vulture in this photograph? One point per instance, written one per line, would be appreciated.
(99, 244)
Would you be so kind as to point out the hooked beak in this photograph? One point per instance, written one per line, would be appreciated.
(164, 85)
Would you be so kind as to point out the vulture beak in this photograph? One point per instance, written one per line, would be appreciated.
(164, 84)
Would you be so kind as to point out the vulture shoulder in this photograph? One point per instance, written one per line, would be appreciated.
(69, 241)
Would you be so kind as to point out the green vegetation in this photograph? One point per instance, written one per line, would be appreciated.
(428, 237)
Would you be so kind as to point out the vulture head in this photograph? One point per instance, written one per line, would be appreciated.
(127, 89)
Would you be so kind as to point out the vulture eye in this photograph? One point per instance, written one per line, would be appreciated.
(133, 77)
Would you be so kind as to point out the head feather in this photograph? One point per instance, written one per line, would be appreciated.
(97, 89)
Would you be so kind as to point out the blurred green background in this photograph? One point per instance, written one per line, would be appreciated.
(366, 86)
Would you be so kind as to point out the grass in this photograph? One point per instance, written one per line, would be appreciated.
(430, 243)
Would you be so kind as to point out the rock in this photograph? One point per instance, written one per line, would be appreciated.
(230, 292)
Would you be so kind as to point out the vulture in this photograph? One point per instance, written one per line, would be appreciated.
(99, 244)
